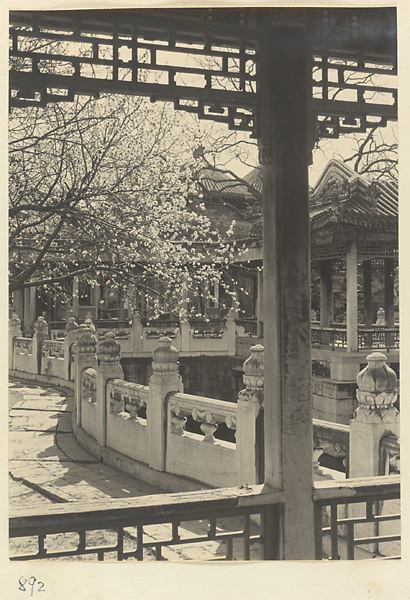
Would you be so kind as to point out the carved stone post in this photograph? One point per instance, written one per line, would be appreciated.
(14, 331)
(249, 406)
(164, 379)
(70, 337)
(84, 348)
(375, 417)
(40, 334)
(109, 367)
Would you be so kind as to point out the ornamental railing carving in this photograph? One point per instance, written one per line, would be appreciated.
(128, 400)
(23, 345)
(208, 412)
(53, 349)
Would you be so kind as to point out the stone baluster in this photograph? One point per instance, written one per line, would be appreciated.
(248, 425)
(85, 356)
(40, 334)
(177, 420)
(164, 379)
(70, 337)
(375, 416)
(14, 331)
(109, 367)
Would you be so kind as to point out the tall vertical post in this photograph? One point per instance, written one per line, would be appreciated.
(85, 356)
(164, 379)
(109, 356)
(70, 337)
(351, 297)
(367, 293)
(326, 293)
(259, 303)
(249, 404)
(389, 291)
(18, 303)
(285, 89)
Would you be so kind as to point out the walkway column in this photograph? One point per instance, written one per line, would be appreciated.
(29, 309)
(18, 303)
(85, 356)
(326, 293)
(389, 291)
(367, 294)
(351, 296)
(285, 88)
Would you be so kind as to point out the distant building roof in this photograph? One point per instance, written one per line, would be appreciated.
(341, 195)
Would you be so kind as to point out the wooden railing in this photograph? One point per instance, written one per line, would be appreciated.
(354, 504)
(153, 527)
(333, 337)
(368, 339)
(250, 326)
(378, 338)
(208, 327)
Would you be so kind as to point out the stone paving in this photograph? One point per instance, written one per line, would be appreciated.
(47, 466)
(45, 456)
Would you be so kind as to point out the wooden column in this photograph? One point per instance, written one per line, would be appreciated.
(18, 303)
(326, 293)
(285, 87)
(351, 296)
(389, 291)
(29, 309)
(367, 293)
(259, 304)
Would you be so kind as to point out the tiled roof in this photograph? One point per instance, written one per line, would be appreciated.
(341, 195)
(216, 182)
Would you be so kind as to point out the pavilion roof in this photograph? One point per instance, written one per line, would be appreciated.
(343, 196)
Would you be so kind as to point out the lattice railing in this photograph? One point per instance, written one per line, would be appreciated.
(378, 338)
(221, 524)
(207, 327)
(250, 327)
(328, 336)
(210, 69)
(356, 85)
(340, 529)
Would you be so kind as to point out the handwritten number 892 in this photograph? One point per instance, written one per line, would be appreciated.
(23, 582)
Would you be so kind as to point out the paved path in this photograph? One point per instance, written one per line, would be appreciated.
(47, 466)
(46, 463)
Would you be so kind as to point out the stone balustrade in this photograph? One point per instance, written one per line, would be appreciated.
(148, 423)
